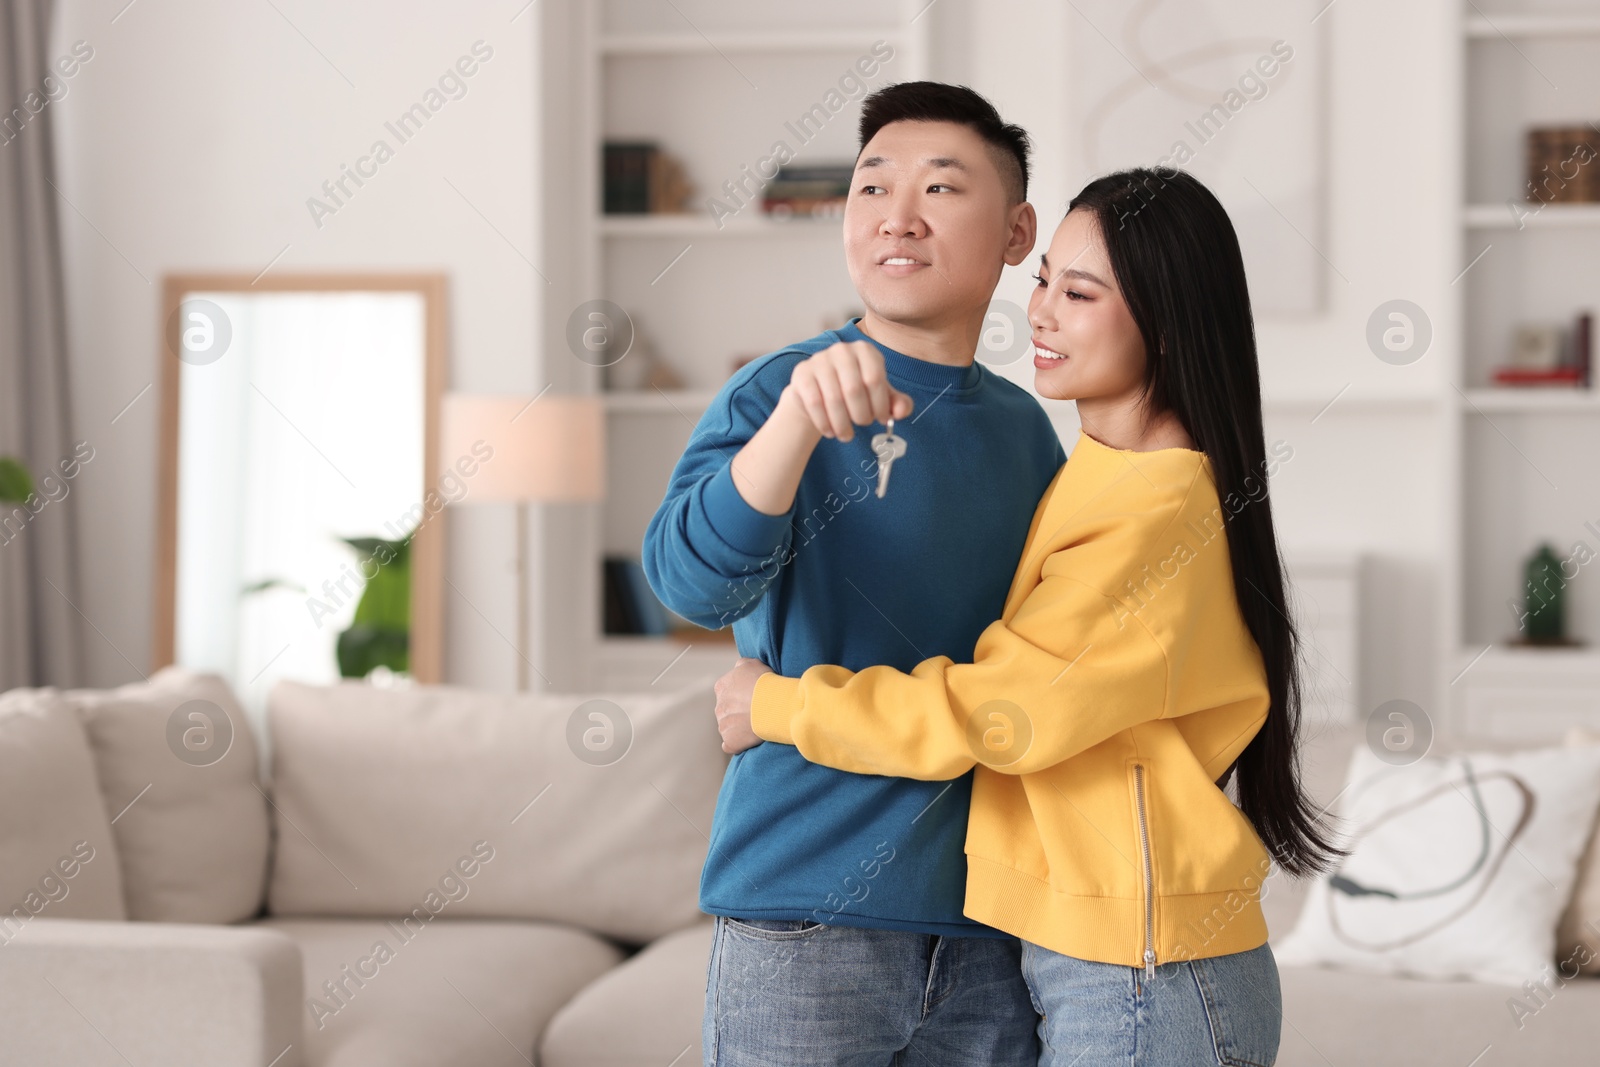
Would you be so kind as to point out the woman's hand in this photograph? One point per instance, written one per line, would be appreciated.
(735, 692)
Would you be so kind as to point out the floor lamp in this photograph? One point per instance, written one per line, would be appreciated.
(542, 449)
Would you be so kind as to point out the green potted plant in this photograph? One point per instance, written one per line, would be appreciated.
(380, 633)
(16, 485)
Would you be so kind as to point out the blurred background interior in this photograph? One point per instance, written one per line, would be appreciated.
(359, 340)
(625, 200)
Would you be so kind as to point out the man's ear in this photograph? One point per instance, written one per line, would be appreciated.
(1024, 233)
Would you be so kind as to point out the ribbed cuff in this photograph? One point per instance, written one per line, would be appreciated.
(773, 707)
(741, 526)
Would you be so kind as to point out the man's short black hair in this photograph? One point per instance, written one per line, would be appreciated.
(938, 102)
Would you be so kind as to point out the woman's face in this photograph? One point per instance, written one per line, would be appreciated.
(1086, 345)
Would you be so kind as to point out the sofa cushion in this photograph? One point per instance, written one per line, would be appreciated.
(378, 791)
(57, 854)
(1344, 1017)
(178, 770)
(379, 994)
(661, 992)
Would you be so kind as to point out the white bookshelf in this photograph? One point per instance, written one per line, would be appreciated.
(1554, 400)
(1531, 25)
(1529, 696)
(1549, 216)
(701, 226)
(715, 83)
(658, 401)
(774, 42)
(1520, 459)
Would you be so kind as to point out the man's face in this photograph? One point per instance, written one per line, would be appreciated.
(929, 224)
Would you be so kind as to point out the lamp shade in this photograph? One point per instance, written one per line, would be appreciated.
(544, 449)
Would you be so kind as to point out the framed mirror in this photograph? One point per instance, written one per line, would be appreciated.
(299, 438)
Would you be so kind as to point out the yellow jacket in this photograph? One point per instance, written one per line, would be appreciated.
(1119, 684)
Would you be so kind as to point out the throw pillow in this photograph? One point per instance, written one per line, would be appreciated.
(1460, 865)
(58, 859)
(178, 769)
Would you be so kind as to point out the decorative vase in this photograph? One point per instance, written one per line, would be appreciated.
(1545, 606)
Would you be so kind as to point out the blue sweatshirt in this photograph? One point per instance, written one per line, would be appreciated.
(849, 579)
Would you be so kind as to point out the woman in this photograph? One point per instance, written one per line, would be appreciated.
(1144, 653)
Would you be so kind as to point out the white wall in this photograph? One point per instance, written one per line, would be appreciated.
(192, 140)
(1364, 476)
(194, 136)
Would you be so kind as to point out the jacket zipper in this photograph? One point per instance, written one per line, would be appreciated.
(1149, 902)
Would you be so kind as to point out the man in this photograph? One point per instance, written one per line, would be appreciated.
(840, 937)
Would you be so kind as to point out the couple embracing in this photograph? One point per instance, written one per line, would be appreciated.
(985, 724)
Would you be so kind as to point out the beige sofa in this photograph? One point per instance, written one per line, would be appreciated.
(1345, 1017)
(434, 876)
(257, 921)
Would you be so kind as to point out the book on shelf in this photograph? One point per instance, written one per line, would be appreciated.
(632, 609)
(1527, 376)
(818, 190)
(1563, 164)
(631, 606)
(626, 177)
(638, 178)
(1582, 350)
(804, 207)
(1548, 355)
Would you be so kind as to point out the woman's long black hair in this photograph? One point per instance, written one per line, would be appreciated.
(1177, 261)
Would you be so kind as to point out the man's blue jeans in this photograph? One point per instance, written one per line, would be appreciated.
(797, 992)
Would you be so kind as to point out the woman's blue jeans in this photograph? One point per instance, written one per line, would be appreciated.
(1222, 1010)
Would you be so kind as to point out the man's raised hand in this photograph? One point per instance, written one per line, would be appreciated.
(845, 386)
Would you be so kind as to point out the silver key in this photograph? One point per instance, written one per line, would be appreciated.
(888, 447)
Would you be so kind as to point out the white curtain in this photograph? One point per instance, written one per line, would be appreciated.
(41, 630)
